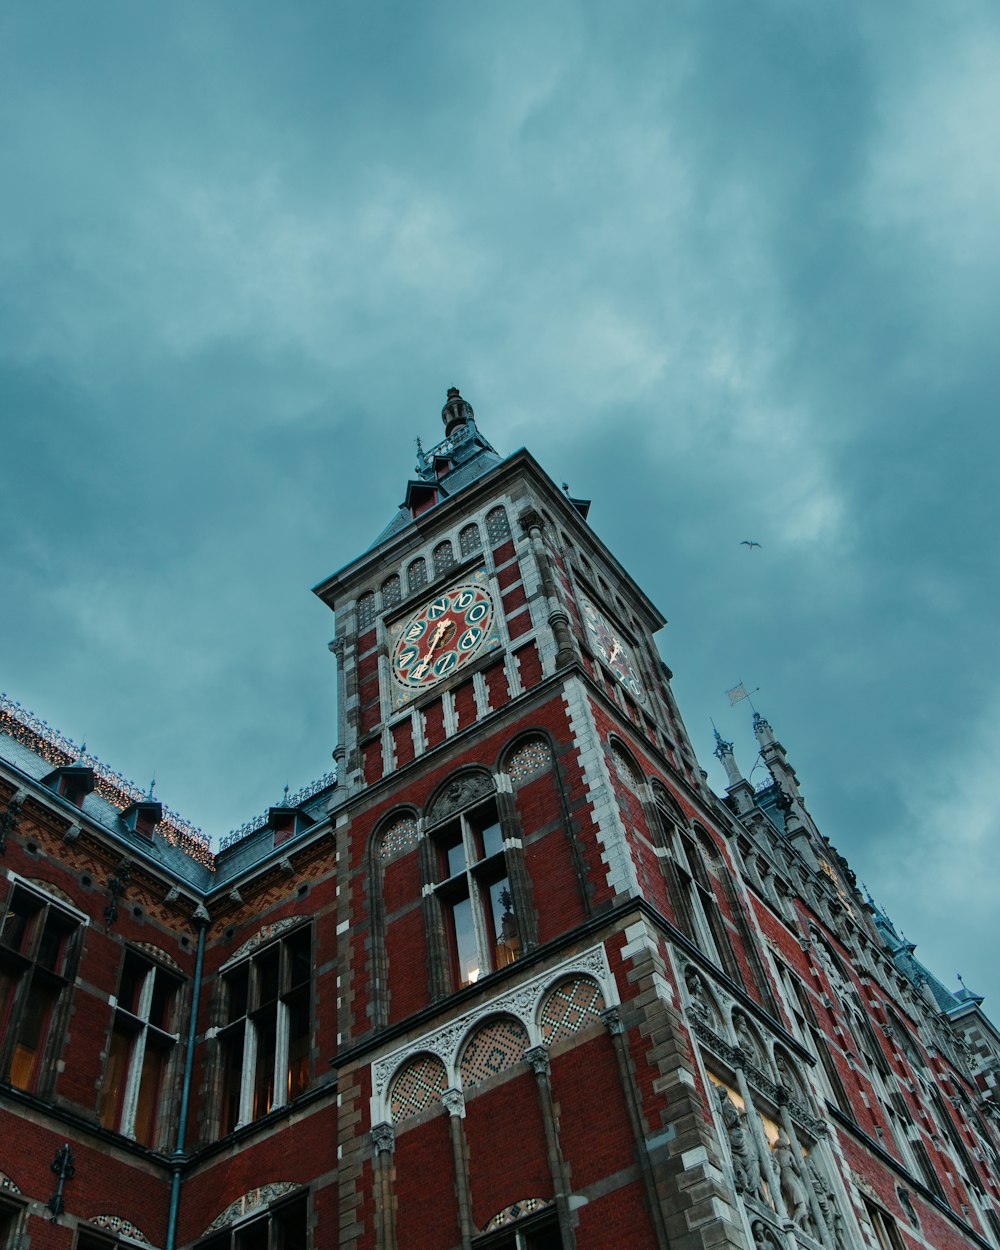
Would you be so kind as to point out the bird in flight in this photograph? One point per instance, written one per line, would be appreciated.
(749, 543)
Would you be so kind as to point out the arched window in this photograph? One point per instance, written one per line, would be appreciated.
(497, 526)
(399, 837)
(467, 865)
(626, 767)
(444, 557)
(366, 610)
(416, 574)
(469, 540)
(392, 591)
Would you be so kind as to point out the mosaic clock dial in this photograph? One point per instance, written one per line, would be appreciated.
(442, 637)
(612, 650)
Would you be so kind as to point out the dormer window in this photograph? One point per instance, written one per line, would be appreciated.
(420, 496)
(72, 782)
(442, 466)
(142, 816)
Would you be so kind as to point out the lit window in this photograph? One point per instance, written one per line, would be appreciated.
(141, 1042)
(469, 540)
(416, 574)
(281, 1227)
(37, 945)
(265, 1042)
(474, 891)
(444, 557)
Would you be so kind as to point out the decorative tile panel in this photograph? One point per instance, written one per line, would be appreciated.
(120, 1227)
(422, 1081)
(528, 760)
(494, 1048)
(399, 837)
(516, 1211)
(625, 768)
(569, 1008)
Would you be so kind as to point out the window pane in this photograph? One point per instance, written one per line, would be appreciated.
(34, 1018)
(299, 958)
(487, 834)
(416, 574)
(232, 1075)
(298, 1047)
(159, 1009)
(52, 945)
(253, 1236)
(507, 938)
(263, 1090)
(267, 976)
(130, 983)
(465, 942)
(237, 983)
(113, 1088)
(16, 923)
(149, 1093)
(288, 1226)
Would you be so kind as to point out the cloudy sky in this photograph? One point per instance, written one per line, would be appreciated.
(731, 270)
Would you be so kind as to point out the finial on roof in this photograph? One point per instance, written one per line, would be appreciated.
(284, 799)
(456, 412)
(152, 787)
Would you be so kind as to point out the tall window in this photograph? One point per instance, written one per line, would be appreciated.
(10, 1219)
(497, 526)
(444, 557)
(366, 610)
(469, 540)
(265, 1042)
(282, 1226)
(416, 574)
(141, 1042)
(884, 1226)
(37, 949)
(540, 1233)
(392, 591)
(475, 895)
(690, 887)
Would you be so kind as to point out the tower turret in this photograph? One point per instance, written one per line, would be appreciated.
(456, 413)
(739, 789)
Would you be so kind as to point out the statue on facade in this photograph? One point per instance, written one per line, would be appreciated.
(827, 1202)
(793, 1191)
(742, 1145)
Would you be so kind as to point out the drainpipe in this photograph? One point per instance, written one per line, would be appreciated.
(179, 1157)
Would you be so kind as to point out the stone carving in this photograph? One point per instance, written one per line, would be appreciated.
(763, 1238)
(521, 1002)
(251, 1201)
(612, 1018)
(460, 793)
(747, 1039)
(157, 952)
(759, 1080)
(453, 1101)
(826, 1200)
(699, 1001)
(538, 1057)
(742, 1145)
(793, 1190)
(264, 935)
(383, 1138)
(120, 1227)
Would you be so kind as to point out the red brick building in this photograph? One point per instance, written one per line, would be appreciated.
(516, 978)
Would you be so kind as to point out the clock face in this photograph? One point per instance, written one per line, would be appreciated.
(611, 649)
(442, 637)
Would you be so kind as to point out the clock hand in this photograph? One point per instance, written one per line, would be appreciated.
(421, 668)
(615, 649)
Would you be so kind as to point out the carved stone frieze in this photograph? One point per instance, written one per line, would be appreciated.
(777, 1095)
(460, 793)
(265, 934)
(251, 1201)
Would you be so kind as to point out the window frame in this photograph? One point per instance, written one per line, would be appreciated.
(257, 1015)
(25, 967)
(473, 876)
(233, 1236)
(143, 1034)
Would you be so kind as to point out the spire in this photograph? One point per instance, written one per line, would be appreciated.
(456, 413)
(739, 789)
